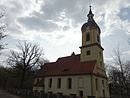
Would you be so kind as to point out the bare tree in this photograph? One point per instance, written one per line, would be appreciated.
(27, 57)
(115, 82)
(2, 30)
(122, 70)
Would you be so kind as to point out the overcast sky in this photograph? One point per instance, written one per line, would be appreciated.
(56, 24)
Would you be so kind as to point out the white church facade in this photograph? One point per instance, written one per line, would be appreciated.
(81, 74)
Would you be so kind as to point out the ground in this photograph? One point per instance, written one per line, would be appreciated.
(4, 94)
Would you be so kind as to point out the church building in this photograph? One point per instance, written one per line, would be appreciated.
(81, 74)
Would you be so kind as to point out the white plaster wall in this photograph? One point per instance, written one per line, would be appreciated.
(86, 82)
(99, 93)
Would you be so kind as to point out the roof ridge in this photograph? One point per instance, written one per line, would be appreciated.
(66, 57)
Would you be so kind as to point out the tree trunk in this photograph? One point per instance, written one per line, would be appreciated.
(22, 79)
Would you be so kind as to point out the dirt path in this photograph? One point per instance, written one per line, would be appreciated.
(4, 94)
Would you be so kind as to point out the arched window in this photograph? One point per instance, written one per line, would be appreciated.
(69, 83)
(98, 39)
(96, 82)
(59, 82)
(50, 83)
(88, 36)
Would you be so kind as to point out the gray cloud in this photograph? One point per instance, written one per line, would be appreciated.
(51, 11)
(12, 10)
(66, 28)
(74, 9)
(124, 13)
(37, 24)
(23, 17)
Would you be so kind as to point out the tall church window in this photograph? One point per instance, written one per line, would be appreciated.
(69, 83)
(88, 36)
(96, 83)
(59, 83)
(102, 82)
(98, 39)
(50, 83)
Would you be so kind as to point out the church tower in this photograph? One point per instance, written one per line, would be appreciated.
(91, 48)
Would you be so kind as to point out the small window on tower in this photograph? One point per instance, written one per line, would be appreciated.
(88, 52)
(88, 36)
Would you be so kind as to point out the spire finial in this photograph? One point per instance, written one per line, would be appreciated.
(90, 14)
(90, 11)
(90, 7)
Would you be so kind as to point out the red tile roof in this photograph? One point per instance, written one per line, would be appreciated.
(69, 65)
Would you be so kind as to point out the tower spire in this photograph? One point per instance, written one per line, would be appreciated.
(90, 14)
(90, 11)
